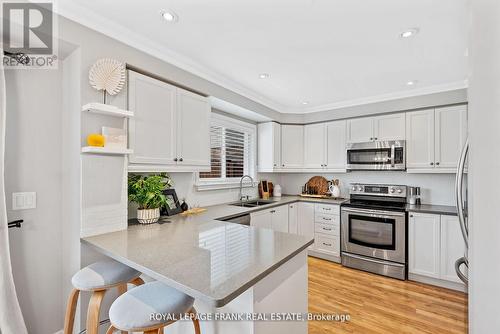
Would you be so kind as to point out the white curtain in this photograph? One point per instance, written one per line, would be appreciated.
(11, 318)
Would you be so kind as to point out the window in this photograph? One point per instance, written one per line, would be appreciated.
(232, 148)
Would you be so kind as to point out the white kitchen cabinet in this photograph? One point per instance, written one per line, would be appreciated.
(420, 139)
(360, 130)
(161, 133)
(389, 127)
(305, 219)
(424, 244)
(434, 139)
(274, 218)
(315, 146)
(193, 117)
(385, 127)
(435, 243)
(279, 218)
(269, 146)
(152, 131)
(450, 135)
(261, 219)
(335, 147)
(292, 218)
(452, 247)
(292, 146)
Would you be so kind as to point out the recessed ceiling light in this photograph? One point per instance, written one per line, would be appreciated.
(305, 103)
(263, 75)
(169, 16)
(409, 33)
(411, 83)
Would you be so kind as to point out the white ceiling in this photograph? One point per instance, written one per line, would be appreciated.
(331, 53)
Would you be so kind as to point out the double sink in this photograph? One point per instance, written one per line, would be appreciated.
(253, 203)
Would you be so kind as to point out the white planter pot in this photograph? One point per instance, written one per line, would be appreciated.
(148, 216)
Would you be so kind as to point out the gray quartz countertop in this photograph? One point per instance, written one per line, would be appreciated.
(208, 259)
(434, 209)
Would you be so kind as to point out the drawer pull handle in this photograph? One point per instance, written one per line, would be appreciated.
(327, 209)
(327, 218)
(329, 245)
(327, 229)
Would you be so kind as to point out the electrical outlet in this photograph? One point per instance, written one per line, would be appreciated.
(22, 201)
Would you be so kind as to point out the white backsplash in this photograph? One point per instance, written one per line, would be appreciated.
(437, 189)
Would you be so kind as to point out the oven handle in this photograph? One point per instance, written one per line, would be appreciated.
(375, 213)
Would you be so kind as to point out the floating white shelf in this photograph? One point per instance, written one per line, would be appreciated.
(106, 150)
(106, 109)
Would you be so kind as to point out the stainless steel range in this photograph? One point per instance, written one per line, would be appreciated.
(373, 229)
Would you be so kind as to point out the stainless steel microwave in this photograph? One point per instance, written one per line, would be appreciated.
(377, 155)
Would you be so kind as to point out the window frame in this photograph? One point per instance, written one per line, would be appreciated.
(227, 183)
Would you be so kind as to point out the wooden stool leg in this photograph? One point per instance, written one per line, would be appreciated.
(138, 281)
(196, 322)
(160, 331)
(69, 319)
(110, 330)
(154, 331)
(93, 312)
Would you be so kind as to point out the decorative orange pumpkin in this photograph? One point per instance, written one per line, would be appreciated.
(95, 139)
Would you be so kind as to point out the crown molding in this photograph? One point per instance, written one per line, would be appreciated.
(382, 98)
(129, 37)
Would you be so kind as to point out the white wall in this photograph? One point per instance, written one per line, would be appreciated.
(436, 189)
(33, 163)
(484, 162)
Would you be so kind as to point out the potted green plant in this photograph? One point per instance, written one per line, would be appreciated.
(147, 192)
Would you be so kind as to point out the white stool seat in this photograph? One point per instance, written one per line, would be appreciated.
(103, 275)
(132, 311)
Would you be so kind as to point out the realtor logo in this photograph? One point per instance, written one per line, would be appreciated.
(28, 34)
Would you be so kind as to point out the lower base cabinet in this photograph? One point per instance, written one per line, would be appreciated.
(434, 244)
(274, 218)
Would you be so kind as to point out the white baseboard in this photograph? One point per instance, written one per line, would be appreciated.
(437, 282)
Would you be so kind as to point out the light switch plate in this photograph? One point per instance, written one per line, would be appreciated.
(22, 201)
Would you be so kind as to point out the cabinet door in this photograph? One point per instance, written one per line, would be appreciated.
(390, 127)
(262, 219)
(450, 135)
(305, 219)
(152, 132)
(452, 247)
(360, 130)
(276, 134)
(335, 147)
(193, 129)
(420, 139)
(424, 244)
(292, 146)
(292, 218)
(280, 218)
(314, 145)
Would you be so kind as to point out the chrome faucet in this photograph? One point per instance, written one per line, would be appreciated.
(241, 187)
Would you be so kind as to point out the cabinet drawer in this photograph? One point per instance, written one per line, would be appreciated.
(331, 229)
(327, 219)
(327, 244)
(327, 209)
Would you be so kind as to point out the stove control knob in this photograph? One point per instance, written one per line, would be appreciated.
(391, 190)
(353, 188)
(360, 188)
(400, 191)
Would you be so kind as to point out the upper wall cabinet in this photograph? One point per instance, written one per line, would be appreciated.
(292, 146)
(269, 147)
(435, 138)
(324, 146)
(386, 127)
(161, 133)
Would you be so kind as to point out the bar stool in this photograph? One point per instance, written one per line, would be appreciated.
(133, 310)
(98, 278)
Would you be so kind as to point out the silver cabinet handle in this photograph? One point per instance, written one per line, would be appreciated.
(437, 163)
(324, 218)
(327, 209)
(175, 159)
(329, 245)
(432, 164)
(181, 159)
(327, 229)
(272, 211)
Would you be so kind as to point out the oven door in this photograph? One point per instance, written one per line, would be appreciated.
(383, 155)
(374, 233)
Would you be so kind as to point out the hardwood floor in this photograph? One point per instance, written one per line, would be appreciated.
(378, 304)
